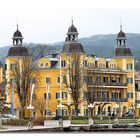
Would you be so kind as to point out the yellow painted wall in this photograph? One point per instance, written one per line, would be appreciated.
(41, 87)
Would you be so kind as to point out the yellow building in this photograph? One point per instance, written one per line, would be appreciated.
(104, 83)
(2, 84)
(137, 93)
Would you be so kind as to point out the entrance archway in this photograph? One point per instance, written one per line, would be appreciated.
(124, 110)
(99, 111)
(109, 110)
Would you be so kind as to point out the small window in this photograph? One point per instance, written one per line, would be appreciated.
(58, 79)
(47, 95)
(41, 65)
(46, 65)
(64, 79)
(88, 79)
(63, 64)
(129, 66)
(85, 63)
(105, 79)
(57, 112)
(64, 112)
(130, 94)
(112, 66)
(48, 80)
(86, 112)
(99, 79)
(101, 65)
(5, 67)
(64, 95)
(47, 112)
(13, 66)
(57, 95)
(130, 80)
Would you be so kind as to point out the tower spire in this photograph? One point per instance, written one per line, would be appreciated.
(120, 24)
(72, 19)
(120, 27)
(17, 23)
(17, 26)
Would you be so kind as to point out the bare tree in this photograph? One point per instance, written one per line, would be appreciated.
(3, 105)
(74, 80)
(21, 74)
(40, 104)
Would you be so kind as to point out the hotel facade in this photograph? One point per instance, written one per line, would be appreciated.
(105, 85)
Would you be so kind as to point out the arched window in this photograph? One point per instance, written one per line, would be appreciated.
(41, 65)
(46, 65)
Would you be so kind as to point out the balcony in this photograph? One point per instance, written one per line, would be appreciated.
(137, 90)
(137, 101)
(119, 100)
(112, 84)
(112, 100)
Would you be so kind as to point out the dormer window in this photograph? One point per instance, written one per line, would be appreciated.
(63, 64)
(112, 66)
(101, 65)
(41, 65)
(46, 65)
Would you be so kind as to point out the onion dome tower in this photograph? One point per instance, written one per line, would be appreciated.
(17, 49)
(71, 44)
(121, 50)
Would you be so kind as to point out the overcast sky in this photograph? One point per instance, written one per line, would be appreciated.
(43, 22)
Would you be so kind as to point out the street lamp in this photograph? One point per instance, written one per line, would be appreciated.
(1, 120)
(31, 108)
(116, 109)
(90, 106)
(138, 106)
(116, 113)
(60, 106)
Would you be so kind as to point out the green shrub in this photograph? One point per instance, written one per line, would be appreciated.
(79, 118)
(16, 122)
(65, 117)
(24, 122)
(40, 121)
(79, 121)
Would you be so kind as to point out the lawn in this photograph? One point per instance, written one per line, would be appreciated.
(79, 121)
(121, 121)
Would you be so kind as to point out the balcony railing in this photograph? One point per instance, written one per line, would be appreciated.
(137, 101)
(112, 100)
(105, 84)
(137, 90)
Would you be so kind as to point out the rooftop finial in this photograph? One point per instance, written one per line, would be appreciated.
(17, 23)
(17, 26)
(72, 19)
(120, 24)
(120, 27)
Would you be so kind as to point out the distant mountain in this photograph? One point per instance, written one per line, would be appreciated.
(101, 45)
